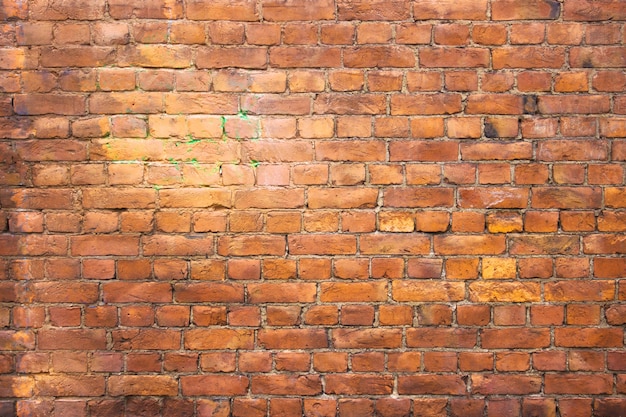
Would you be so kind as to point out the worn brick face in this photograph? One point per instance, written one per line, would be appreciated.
(317, 208)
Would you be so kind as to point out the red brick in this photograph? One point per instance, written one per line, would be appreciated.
(357, 291)
(379, 56)
(587, 11)
(286, 385)
(345, 384)
(519, 338)
(148, 339)
(608, 406)
(573, 104)
(589, 337)
(512, 361)
(244, 10)
(34, 33)
(614, 197)
(58, 150)
(408, 105)
(36, 104)
(533, 10)
(578, 384)
(292, 361)
(374, 10)
(104, 245)
(142, 385)
(32, 245)
(128, 292)
(435, 337)
(393, 244)
(82, 386)
(309, 57)
(292, 338)
(263, 34)
(250, 245)
(273, 152)
(424, 151)
(351, 268)
(431, 384)
(340, 198)
(454, 57)
(67, 292)
(16, 58)
(423, 81)
(451, 34)
(77, 56)
(506, 384)
(366, 339)
(283, 315)
(418, 197)
(12, 10)
(528, 57)
(530, 33)
(195, 197)
(245, 269)
(608, 267)
(69, 339)
(462, 268)
(71, 10)
(298, 10)
(566, 197)
(559, 150)
(211, 339)
(418, 291)
(281, 293)
(321, 244)
(322, 315)
(458, 10)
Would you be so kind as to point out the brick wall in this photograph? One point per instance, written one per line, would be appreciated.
(320, 208)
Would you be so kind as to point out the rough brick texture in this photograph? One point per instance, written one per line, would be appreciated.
(312, 208)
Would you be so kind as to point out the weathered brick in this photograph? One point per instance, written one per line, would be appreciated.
(82, 386)
(588, 11)
(379, 56)
(573, 104)
(286, 385)
(389, 244)
(366, 339)
(500, 384)
(528, 57)
(148, 339)
(298, 10)
(313, 57)
(453, 10)
(579, 384)
(408, 105)
(354, 291)
(344, 384)
(431, 384)
(566, 197)
(418, 291)
(293, 338)
(510, 292)
(142, 385)
(517, 10)
(281, 293)
(349, 104)
(454, 57)
(518, 338)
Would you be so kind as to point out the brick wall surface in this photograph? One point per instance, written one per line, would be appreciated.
(320, 208)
